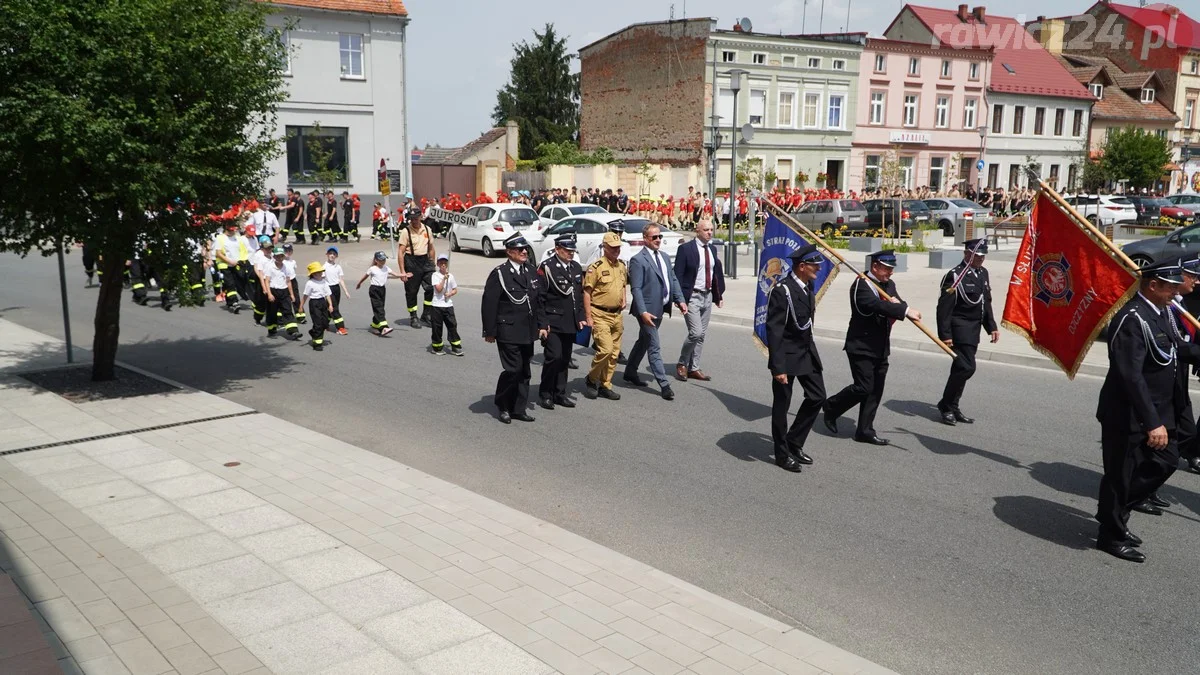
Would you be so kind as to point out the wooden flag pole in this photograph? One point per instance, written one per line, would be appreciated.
(832, 251)
(1102, 239)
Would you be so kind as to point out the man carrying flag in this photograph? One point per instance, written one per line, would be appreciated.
(964, 306)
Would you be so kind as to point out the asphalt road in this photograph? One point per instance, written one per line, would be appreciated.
(955, 550)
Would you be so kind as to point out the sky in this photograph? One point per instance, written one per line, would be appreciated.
(459, 50)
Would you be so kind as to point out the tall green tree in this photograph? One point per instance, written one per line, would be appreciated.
(113, 110)
(542, 95)
(1135, 155)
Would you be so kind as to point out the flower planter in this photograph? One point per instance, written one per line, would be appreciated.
(931, 238)
(945, 260)
(901, 262)
(867, 244)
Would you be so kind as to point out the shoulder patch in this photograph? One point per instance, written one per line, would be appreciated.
(595, 265)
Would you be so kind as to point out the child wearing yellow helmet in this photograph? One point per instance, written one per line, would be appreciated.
(320, 303)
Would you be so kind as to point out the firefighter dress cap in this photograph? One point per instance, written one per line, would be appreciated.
(515, 241)
(566, 241)
(886, 257)
(970, 246)
(1164, 270)
(807, 254)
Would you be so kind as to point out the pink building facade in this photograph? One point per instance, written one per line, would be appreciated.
(922, 107)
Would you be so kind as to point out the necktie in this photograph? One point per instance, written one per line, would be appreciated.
(661, 273)
(707, 268)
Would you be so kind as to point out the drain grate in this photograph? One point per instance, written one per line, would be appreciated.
(116, 434)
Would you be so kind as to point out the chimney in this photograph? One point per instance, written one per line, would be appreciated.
(962, 13)
(737, 26)
(980, 13)
(1041, 19)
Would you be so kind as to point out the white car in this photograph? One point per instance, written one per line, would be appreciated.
(552, 213)
(490, 224)
(1104, 210)
(589, 232)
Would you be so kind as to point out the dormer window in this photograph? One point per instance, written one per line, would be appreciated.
(1147, 95)
(1097, 90)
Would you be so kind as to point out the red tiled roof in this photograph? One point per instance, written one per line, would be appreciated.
(1021, 65)
(388, 7)
(1133, 80)
(1117, 105)
(1159, 15)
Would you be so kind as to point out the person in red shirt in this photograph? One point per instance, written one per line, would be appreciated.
(483, 198)
(743, 207)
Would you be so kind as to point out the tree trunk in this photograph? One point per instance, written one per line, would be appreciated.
(108, 318)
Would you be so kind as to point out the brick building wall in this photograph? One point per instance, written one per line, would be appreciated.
(1126, 43)
(643, 87)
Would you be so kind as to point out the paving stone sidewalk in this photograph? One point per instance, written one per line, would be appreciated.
(252, 545)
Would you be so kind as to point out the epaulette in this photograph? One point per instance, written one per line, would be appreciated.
(596, 264)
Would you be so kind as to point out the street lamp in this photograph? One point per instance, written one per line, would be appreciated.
(735, 85)
(711, 149)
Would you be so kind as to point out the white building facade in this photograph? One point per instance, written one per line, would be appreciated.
(1050, 133)
(346, 82)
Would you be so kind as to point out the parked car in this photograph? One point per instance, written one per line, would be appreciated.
(907, 214)
(1104, 210)
(954, 214)
(1181, 242)
(828, 215)
(1149, 209)
(1190, 201)
(1184, 208)
(589, 230)
(493, 224)
(552, 213)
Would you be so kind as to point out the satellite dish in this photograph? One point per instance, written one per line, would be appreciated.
(747, 132)
(745, 25)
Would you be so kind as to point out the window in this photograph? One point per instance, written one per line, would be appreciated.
(285, 45)
(871, 174)
(997, 118)
(1018, 119)
(758, 59)
(352, 54)
(1097, 90)
(914, 66)
(1071, 174)
(993, 175)
(1147, 95)
(945, 68)
(1189, 111)
(906, 172)
(937, 172)
(1077, 124)
(1059, 117)
(1039, 121)
(728, 57)
(942, 118)
(970, 109)
(814, 62)
(973, 71)
(789, 61)
(1053, 180)
(839, 64)
(877, 106)
(300, 144)
(1161, 133)
(812, 110)
(910, 110)
(1014, 173)
(758, 107)
(880, 63)
(1196, 66)
(725, 106)
(836, 101)
(787, 109)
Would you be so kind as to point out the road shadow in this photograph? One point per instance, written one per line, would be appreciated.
(1047, 520)
(748, 446)
(743, 408)
(922, 409)
(940, 446)
(1084, 482)
(218, 365)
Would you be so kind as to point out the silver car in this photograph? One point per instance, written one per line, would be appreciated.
(829, 215)
(953, 214)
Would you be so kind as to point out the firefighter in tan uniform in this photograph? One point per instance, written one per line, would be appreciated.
(604, 286)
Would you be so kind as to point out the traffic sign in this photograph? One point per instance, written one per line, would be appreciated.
(385, 187)
(979, 165)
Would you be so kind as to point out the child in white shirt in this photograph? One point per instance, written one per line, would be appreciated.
(378, 273)
(445, 287)
(336, 278)
(318, 296)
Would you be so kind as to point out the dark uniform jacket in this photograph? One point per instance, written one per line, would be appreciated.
(1140, 391)
(512, 308)
(562, 294)
(790, 346)
(961, 314)
(871, 319)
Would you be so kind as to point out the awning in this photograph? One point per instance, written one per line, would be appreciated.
(1170, 166)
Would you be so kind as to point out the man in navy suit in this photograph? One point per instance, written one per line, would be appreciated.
(654, 287)
(703, 284)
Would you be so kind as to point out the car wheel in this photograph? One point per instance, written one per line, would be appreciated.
(827, 230)
(947, 228)
(1140, 260)
(454, 243)
(1093, 220)
(488, 251)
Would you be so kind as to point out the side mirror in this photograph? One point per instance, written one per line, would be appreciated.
(1174, 239)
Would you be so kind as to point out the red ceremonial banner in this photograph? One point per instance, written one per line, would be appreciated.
(1065, 286)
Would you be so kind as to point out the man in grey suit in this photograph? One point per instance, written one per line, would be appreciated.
(654, 287)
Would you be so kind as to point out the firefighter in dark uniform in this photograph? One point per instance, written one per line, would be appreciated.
(562, 302)
(512, 315)
(792, 355)
(315, 218)
(961, 312)
(331, 229)
(144, 268)
(1139, 404)
(868, 345)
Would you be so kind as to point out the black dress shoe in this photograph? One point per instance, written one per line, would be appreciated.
(547, 403)
(505, 417)
(788, 464)
(1132, 538)
(524, 417)
(802, 456)
(608, 393)
(947, 417)
(573, 365)
(1122, 551)
(621, 360)
(668, 393)
(590, 391)
(873, 440)
(1194, 464)
(564, 401)
(1147, 509)
(1155, 500)
(959, 417)
(831, 423)
(634, 380)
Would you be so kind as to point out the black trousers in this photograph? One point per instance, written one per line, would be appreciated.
(318, 311)
(512, 387)
(444, 316)
(195, 277)
(296, 305)
(230, 285)
(89, 261)
(1185, 425)
(960, 371)
(1132, 472)
(336, 316)
(421, 269)
(557, 351)
(786, 438)
(279, 313)
(866, 392)
(258, 300)
(378, 295)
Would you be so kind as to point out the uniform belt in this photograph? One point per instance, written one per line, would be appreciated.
(611, 310)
